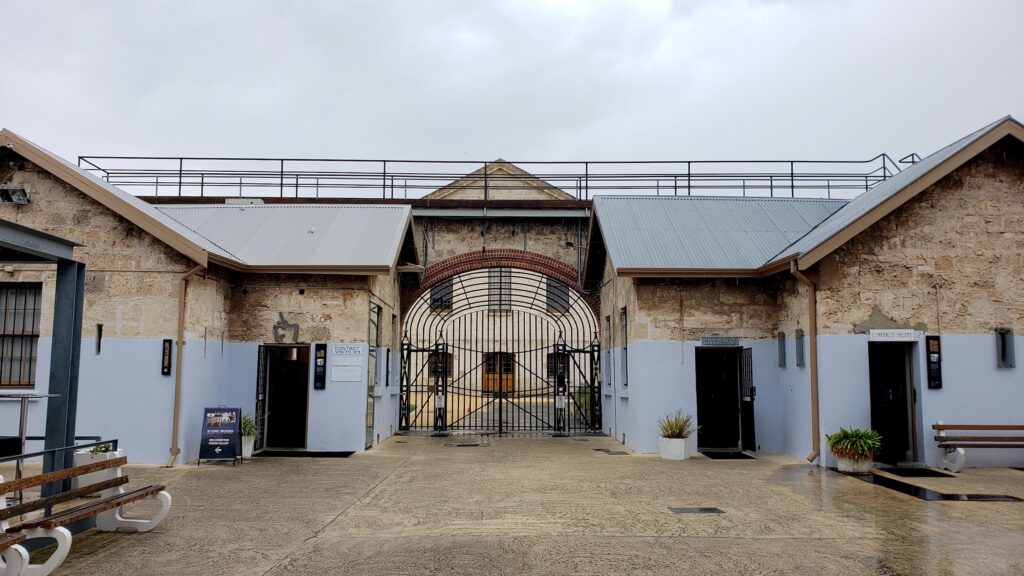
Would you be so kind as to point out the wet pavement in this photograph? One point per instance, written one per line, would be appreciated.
(556, 506)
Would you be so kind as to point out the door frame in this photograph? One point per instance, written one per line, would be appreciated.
(263, 364)
(910, 350)
(739, 394)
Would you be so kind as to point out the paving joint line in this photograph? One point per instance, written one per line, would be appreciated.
(342, 513)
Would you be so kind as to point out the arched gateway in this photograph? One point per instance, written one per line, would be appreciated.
(501, 348)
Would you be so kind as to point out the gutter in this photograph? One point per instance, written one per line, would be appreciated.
(182, 292)
(812, 320)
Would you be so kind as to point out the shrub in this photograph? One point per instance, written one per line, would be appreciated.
(677, 425)
(249, 426)
(102, 448)
(854, 443)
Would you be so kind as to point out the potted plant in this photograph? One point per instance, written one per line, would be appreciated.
(250, 430)
(854, 448)
(98, 453)
(676, 430)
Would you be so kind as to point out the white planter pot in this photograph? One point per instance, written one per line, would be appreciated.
(854, 466)
(674, 448)
(247, 445)
(85, 457)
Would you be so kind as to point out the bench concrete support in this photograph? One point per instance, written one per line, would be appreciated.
(112, 519)
(16, 560)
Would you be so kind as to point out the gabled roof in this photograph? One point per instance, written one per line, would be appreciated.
(873, 205)
(696, 235)
(712, 236)
(348, 239)
(362, 239)
(504, 173)
(131, 208)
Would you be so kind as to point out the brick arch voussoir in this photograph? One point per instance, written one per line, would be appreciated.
(502, 258)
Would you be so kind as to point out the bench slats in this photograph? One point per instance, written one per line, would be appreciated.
(979, 445)
(72, 515)
(979, 438)
(8, 540)
(40, 503)
(990, 427)
(48, 477)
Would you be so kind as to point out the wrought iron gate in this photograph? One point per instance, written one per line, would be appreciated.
(503, 350)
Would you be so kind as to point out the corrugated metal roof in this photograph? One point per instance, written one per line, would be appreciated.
(865, 202)
(702, 232)
(298, 234)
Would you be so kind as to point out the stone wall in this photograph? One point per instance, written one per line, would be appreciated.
(299, 308)
(131, 277)
(440, 238)
(949, 258)
(687, 309)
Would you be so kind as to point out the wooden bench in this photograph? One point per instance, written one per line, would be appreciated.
(954, 456)
(112, 495)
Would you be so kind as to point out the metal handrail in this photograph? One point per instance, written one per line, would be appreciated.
(99, 442)
(297, 177)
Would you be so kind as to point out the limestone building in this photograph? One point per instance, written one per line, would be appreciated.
(500, 301)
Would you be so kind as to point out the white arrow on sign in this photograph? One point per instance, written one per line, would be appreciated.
(217, 449)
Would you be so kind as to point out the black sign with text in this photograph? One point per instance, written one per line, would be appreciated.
(319, 366)
(934, 348)
(165, 358)
(222, 434)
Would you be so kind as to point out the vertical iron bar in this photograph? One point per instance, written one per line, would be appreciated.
(281, 183)
(384, 186)
(181, 162)
(792, 183)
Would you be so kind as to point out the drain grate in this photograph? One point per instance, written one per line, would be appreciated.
(917, 472)
(928, 494)
(696, 510)
(468, 445)
(580, 440)
(611, 452)
(727, 455)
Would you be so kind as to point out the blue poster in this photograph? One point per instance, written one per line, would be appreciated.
(221, 438)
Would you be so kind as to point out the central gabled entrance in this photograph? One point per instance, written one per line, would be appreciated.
(500, 350)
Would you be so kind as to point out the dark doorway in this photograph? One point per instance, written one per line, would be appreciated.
(287, 383)
(892, 400)
(718, 398)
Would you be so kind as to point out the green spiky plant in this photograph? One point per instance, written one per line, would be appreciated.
(249, 426)
(854, 443)
(677, 425)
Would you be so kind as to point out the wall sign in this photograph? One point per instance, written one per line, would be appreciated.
(165, 358)
(346, 363)
(319, 366)
(719, 340)
(222, 434)
(934, 348)
(894, 335)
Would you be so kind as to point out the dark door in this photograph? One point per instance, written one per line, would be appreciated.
(718, 398)
(890, 399)
(747, 394)
(287, 396)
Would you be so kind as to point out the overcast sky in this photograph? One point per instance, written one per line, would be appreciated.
(527, 80)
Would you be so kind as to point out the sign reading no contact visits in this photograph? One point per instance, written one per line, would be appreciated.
(221, 436)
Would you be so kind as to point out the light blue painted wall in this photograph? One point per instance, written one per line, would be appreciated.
(794, 403)
(337, 414)
(662, 378)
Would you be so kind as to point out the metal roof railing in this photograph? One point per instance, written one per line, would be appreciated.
(197, 176)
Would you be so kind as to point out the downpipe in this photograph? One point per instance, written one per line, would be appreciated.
(812, 321)
(182, 293)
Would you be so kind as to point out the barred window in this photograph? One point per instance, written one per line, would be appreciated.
(557, 296)
(499, 289)
(19, 334)
(498, 362)
(441, 296)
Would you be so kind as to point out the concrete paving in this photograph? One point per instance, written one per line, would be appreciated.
(553, 506)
